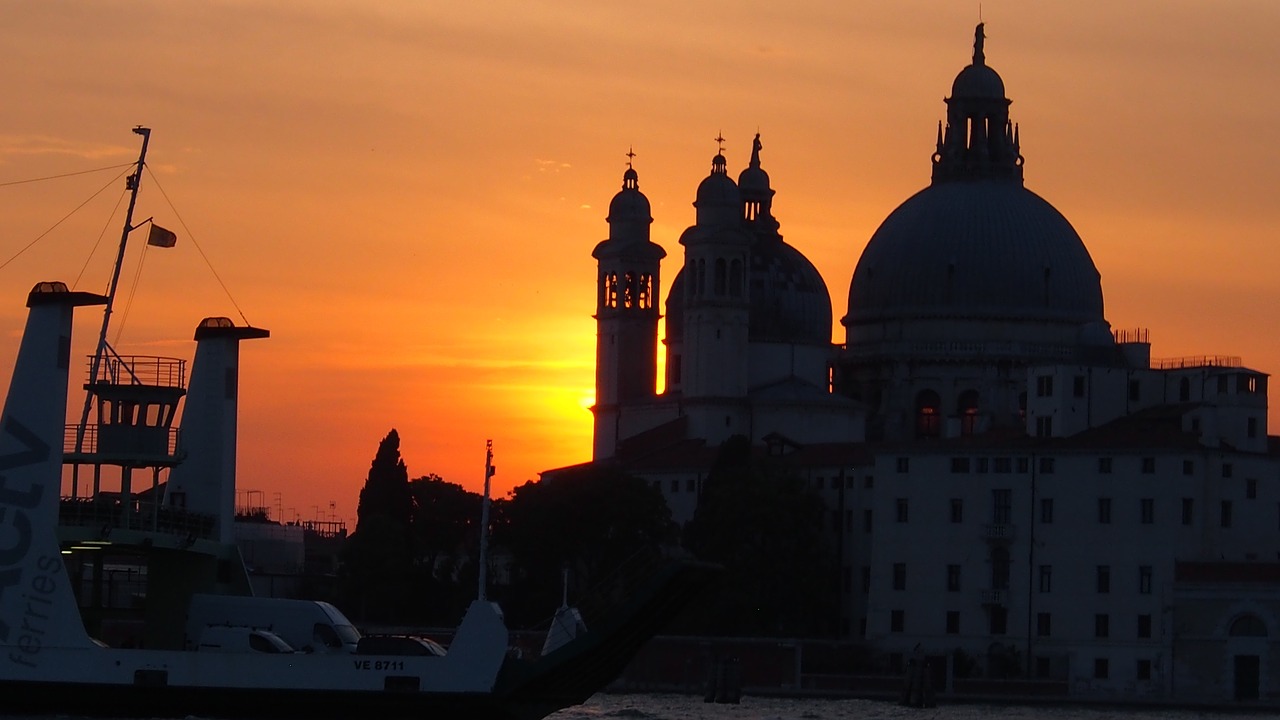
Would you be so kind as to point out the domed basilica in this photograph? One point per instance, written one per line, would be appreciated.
(979, 418)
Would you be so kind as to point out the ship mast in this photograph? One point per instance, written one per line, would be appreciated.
(133, 182)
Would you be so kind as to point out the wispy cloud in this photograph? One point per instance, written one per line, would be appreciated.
(20, 145)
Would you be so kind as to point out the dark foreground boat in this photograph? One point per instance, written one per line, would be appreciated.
(79, 520)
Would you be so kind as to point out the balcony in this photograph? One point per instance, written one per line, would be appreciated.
(1002, 533)
(995, 596)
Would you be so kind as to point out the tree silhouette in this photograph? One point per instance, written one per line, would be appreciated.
(764, 525)
(379, 554)
(588, 521)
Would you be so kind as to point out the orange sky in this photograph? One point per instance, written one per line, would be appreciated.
(407, 193)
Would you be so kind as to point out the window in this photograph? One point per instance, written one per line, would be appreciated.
(1251, 427)
(1226, 470)
(1135, 390)
(689, 485)
(1003, 465)
(1103, 579)
(1144, 579)
(980, 465)
(1023, 464)
(899, 576)
(967, 409)
(957, 510)
(1046, 578)
(953, 622)
(928, 414)
(1148, 465)
(1144, 626)
(1143, 671)
(1044, 426)
(959, 464)
(999, 569)
(866, 521)
(1225, 519)
(1188, 467)
(953, 578)
(904, 464)
(1046, 510)
(1104, 510)
(901, 508)
(1077, 386)
(1001, 506)
(866, 579)
(1188, 509)
(999, 621)
(1100, 669)
(1042, 667)
(675, 486)
(896, 621)
(1104, 466)
(1042, 624)
(1044, 386)
(1251, 489)
(1046, 466)
(1101, 625)
(1147, 510)
(868, 482)
(1184, 390)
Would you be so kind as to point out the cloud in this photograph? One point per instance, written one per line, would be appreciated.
(20, 145)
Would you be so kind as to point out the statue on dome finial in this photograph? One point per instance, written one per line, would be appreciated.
(755, 151)
(979, 37)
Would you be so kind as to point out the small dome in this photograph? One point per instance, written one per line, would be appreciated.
(629, 203)
(718, 189)
(978, 81)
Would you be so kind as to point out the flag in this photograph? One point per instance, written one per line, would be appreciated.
(161, 237)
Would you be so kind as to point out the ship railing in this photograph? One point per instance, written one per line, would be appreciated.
(109, 513)
(150, 370)
(1197, 361)
(142, 441)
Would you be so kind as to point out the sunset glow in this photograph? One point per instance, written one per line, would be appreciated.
(407, 194)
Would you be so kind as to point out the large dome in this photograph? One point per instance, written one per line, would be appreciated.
(983, 249)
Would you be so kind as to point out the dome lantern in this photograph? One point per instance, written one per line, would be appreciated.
(978, 140)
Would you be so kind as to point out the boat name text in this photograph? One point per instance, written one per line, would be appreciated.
(379, 664)
(25, 618)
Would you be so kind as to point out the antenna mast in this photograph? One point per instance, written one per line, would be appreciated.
(133, 182)
(484, 520)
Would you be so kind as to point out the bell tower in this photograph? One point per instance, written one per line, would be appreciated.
(626, 311)
(716, 306)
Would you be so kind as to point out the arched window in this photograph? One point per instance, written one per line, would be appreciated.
(700, 277)
(1248, 626)
(629, 290)
(967, 410)
(928, 414)
(721, 277)
(611, 290)
(1184, 389)
(735, 278)
(645, 298)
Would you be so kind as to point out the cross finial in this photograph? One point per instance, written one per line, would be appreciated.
(720, 142)
(630, 155)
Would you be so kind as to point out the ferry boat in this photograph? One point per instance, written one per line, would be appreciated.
(201, 644)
